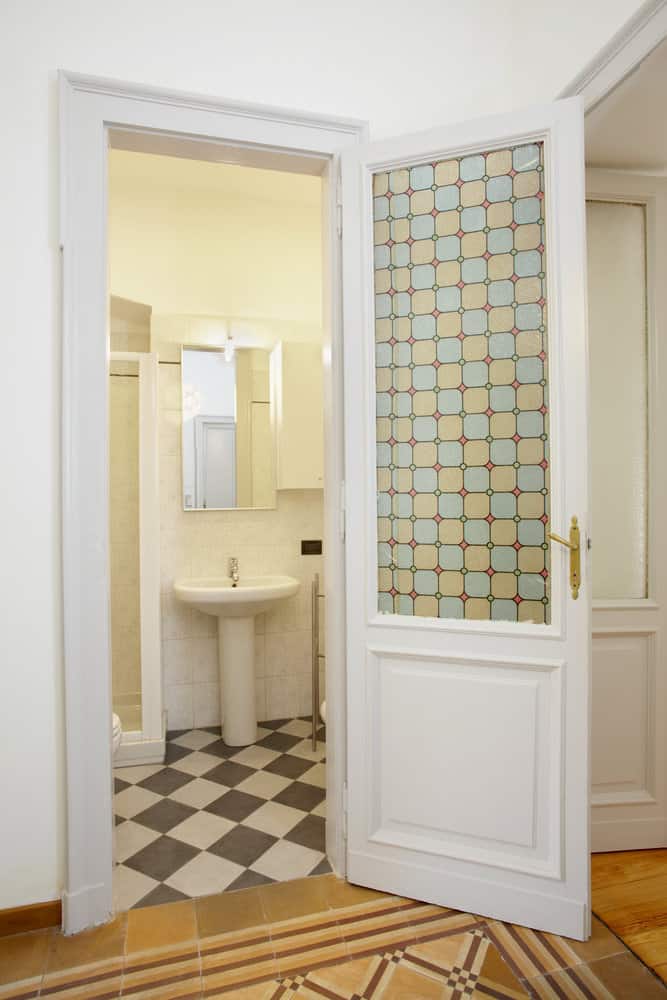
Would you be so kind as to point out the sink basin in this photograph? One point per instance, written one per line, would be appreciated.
(235, 608)
(251, 595)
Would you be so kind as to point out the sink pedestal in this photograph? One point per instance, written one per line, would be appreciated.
(236, 659)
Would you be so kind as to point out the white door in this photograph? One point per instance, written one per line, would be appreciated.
(627, 296)
(466, 427)
(215, 453)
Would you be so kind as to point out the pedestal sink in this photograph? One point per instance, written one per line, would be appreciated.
(235, 606)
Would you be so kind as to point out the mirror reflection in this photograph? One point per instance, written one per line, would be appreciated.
(226, 434)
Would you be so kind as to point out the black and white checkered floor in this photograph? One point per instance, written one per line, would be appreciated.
(215, 817)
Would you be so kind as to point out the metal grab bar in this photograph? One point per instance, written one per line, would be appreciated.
(316, 656)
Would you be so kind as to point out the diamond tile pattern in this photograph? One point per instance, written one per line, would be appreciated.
(218, 818)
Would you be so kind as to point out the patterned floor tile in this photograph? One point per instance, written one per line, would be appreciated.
(205, 820)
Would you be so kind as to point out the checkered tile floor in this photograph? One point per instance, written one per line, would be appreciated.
(215, 817)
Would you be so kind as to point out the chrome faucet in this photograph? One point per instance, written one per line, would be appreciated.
(234, 570)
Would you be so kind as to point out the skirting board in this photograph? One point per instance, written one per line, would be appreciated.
(34, 917)
(135, 750)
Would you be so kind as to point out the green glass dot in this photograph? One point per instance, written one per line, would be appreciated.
(489, 598)
(545, 600)
(516, 465)
(515, 357)
(485, 177)
(435, 287)
(438, 594)
(436, 440)
(390, 267)
(412, 468)
(543, 437)
(545, 546)
(489, 493)
(410, 266)
(463, 519)
(438, 545)
(539, 168)
(392, 315)
(489, 545)
(410, 215)
(460, 259)
(413, 518)
(434, 237)
(461, 310)
(540, 221)
(517, 572)
(464, 571)
(411, 315)
(487, 281)
(391, 467)
(488, 439)
(516, 518)
(461, 362)
(513, 252)
(411, 365)
(486, 229)
(512, 199)
(514, 304)
(541, 274)
(489, 385)
(438, 493)
(515, 411)
(390, 218)
(434, 187)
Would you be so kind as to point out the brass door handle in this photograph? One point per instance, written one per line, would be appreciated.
(574, 545)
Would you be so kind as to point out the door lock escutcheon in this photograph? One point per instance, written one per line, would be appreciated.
(574, 545)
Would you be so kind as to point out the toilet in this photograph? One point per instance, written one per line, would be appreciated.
(116, 734)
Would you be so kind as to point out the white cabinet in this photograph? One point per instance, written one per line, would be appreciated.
(297, 410)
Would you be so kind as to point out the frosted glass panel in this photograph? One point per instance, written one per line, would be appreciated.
(617, 322)
(462, 463)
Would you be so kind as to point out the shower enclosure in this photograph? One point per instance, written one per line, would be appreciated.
(135, 568)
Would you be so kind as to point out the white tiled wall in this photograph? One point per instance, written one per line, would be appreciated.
(199, 543)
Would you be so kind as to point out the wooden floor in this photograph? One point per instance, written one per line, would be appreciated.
(630, 896)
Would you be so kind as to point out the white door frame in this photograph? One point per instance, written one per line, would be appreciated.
(145, 117)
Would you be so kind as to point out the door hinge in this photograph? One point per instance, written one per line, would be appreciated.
(342, 511)
(345, 810)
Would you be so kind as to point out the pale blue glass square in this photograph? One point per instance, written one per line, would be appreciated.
(531, 586)
(499, 188)
(527, 263)
(425, 480)
(530, 478)
(400, 206)
(424, 428)
(476, 531)
(503, 610)
(426, 582)
(450, 505)
(473, 219)
(529, 370)
(530, 423)
(450, 557)
(476, 479)
(526, 157)
(502, 398)
(477, 585)
(503, 505)
(425, 531)
(500, 240)
(501, 345)
(503, 452)
(530, 532)
(450, 453)
(476, 426)
(451, 607)
(501, 293)
(449, 350)
(448, 248)
(423, 327)
(421, 177)
(422, 227)
(474, 322)
(447, 198)
(423, 377)
(528, 316)
(526, 210)
(472, 168)
(474, 373)
(380, 208)
(448, 299)
(450, 401)
(473, 270)
(423, 276)
(382, 255)
(503, 558)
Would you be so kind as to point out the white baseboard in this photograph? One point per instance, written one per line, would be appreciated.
(87, 907)
(134, 749)
(628, 834)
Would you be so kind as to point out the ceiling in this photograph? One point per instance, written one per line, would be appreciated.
(628, 129)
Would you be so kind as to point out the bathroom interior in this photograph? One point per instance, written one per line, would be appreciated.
(216, 525)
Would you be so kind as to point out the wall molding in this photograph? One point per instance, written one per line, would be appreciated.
(621, 56)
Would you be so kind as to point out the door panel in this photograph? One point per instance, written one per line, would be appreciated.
(468, 659)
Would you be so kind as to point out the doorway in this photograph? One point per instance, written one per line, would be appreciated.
(211, 130)
(626, 158)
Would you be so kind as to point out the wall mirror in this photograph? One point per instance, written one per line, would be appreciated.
(227, 439)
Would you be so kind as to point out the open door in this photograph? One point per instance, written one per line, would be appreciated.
(467, 445)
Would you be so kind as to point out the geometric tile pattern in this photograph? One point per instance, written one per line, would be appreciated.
(216, 817)
(387, 948)
(461, 387)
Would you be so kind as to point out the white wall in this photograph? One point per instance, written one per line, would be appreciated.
(400, 66)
